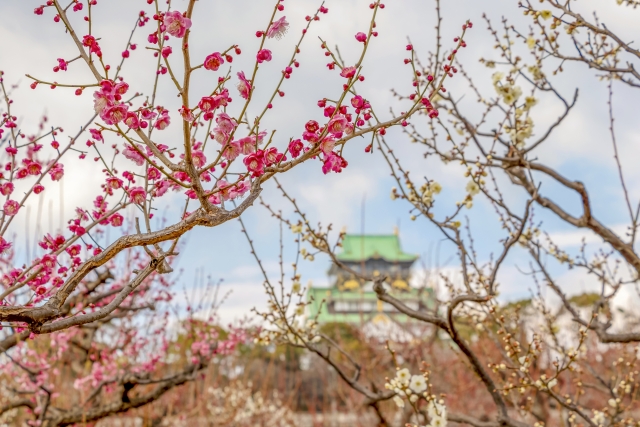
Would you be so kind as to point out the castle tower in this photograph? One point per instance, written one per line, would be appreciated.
(352, 300)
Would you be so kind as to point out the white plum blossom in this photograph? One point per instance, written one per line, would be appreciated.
(473, 188)
(398, 401)
(418, 384)
(295, 288)
(598, 418)
(437, 414)
(403, 375)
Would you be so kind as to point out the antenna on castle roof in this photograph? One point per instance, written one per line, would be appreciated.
(364, 198)
(362, 266)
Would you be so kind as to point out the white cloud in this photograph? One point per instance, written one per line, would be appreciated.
(577, 237)
(580, 149)
(335, 200)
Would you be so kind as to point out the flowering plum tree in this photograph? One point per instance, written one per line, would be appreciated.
(569, 363)
(96, 276)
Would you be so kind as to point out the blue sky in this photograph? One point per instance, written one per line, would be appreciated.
(581, 149)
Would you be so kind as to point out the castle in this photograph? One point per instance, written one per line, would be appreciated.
(352, 300)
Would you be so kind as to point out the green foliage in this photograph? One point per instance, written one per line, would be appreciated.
(517, 305)
(585, 300)
(345, 335)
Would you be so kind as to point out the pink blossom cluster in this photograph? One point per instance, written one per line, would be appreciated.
(91, 42)
(62, 65)
(258, 160)
(124, 355)
(432, 112)
(207, 343)
(208, 104)
(28, 166)
(341, 123)
(48, 274)
(107, 101)
(176, 24)
(138, 169)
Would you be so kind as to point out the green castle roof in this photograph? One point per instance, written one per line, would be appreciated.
(356, 247)
(319, 297)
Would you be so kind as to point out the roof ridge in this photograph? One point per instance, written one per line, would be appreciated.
(358, 247)
(370, 235)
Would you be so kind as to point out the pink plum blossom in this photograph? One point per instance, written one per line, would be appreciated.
(176, 24)
(223, 185)
(431, 111)
(226, 123)
(6, 188)
(295, 147)
(255, 164)
(113, 114)
(311, 137)
(186, 114)
(163, 121)
(244, 85)
(161, 187)
(213, 62)
(131, 120)
(34, 168)
(222, 99)
(133, 155)
(11, 207)
(62, 65)
(114, 183)
(312, 126)
(232, 150)
(199, 159)
(264, 55)
(153, 174)
(137, 195)
(327, 144)
(242, 187)
(278, 28)
(148, 114)
(358, 102)
(337, 125)
(348, 72)
(91, 42)
(220, 136)
(247, 145)
(100, 101)
(231, 191)
(333, 162)
(4, 246)
(271, 156)
(207, 104)
(56, 172)
(116, 220)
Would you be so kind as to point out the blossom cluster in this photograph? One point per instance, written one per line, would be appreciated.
(238, 404)
(142, 164)
(413, 388)
(297, 333)
(522, 129)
